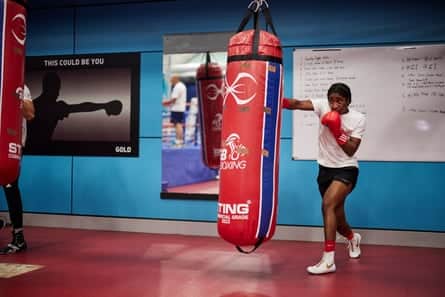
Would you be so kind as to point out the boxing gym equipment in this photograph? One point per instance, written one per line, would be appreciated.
(247, 203)
(332, 120)
(210, 89)
(13, 20)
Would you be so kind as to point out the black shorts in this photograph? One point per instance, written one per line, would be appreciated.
(347, 175)
(177, 117)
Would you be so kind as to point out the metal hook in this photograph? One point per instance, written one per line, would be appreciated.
(254, 2)
(258, 4)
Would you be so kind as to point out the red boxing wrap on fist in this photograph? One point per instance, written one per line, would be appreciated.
(332, 120)
(286, 103)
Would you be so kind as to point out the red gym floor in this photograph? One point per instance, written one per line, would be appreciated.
(84, 263)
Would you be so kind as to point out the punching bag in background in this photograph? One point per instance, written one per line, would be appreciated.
(13, 20)
(210, 87)
(247, 203)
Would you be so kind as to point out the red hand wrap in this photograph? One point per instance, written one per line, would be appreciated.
(286, 103)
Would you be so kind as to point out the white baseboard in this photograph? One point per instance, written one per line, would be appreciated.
(369, 236)
(297, 233)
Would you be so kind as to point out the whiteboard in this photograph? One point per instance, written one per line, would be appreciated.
(400, 89)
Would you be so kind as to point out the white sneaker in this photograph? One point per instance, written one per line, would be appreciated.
(354, 246)
(326, 265)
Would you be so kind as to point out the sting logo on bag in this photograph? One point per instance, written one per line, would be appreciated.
(233, 211)
(14, 151)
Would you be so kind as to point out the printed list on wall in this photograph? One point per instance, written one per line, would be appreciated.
(400, 89)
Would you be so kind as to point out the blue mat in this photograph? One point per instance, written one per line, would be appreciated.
(184, 166)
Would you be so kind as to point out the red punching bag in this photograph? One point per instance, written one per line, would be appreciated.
(247, 203)
(13, 19)
(210, 88)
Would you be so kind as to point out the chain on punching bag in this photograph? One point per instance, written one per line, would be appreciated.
(247, 201)
(13, 19)
(210, 87)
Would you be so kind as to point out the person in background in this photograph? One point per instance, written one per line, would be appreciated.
(12, 191)
(177, 103)
(340, 135)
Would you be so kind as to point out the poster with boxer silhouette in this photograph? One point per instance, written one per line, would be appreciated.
(85, 105)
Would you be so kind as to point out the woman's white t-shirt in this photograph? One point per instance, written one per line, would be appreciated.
(330, 154)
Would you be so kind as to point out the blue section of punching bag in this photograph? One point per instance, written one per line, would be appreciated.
(271, 131)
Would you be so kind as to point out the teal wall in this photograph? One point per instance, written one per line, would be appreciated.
(389, 195)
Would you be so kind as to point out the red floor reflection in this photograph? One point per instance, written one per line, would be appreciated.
(82, 263)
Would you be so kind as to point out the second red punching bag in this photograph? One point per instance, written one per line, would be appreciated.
(210, 89)
(13, 19)
(247, 203)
